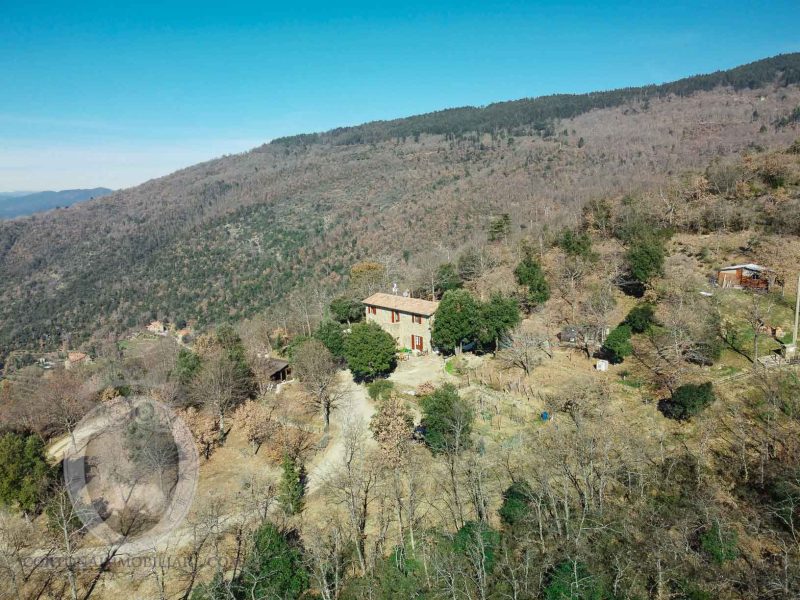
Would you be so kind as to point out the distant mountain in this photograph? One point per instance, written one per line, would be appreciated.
(18, 204)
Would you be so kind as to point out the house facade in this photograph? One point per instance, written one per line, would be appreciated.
(408, 320)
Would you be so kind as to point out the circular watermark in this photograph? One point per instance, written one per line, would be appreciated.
(131, 470)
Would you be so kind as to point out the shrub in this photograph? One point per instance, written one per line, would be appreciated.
(529, 274)
(476, 537)
(618, 344)
(720, 545)
(24, 471)
(370, 351)
(515, 503)
(573, 581)
(380, 389)
(274, 568)
(688, 401)
(640, 318)
(645, 258)
(446, 420)
(575, 244)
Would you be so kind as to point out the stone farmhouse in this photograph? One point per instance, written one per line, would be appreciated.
(408, 320)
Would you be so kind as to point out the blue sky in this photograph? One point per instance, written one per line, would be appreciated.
(114, 93)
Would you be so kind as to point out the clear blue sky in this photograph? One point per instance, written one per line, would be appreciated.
(113, 93)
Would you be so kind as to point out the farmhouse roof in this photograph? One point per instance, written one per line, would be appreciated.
(414, 306)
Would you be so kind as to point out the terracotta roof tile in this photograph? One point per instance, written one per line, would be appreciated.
(414, 306)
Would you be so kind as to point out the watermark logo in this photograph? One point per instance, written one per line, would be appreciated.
(131, 471)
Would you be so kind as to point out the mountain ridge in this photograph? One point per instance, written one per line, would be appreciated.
(27, 203)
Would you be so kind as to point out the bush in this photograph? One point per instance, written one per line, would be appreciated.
(380, 389)
(573, 581)
(640, 318)
(645, 258)
(515, 503)
(476, 537)
(575, 244)
(24, 471)
(446, 420)
(720, 545)
(274, 567)
(618, 344)
(370, 351)
(529, 274)
(688, 401)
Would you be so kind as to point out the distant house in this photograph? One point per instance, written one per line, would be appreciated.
(408, 320)
(747, 276)
(157, 327)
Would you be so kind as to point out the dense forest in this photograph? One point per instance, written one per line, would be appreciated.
(539, 114)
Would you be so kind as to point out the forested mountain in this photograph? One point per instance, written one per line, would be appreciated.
(12, 205)
(227, 238)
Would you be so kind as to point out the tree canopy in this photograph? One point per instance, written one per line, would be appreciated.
(457, 320)
(370, 351)
(447, 420)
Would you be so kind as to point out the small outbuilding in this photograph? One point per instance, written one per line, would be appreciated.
(277, 369)
(746, 276)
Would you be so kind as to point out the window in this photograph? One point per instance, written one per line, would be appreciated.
(372, 310)
(395, 316)
(416, 319)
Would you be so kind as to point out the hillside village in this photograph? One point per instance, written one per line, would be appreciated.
(610, 408)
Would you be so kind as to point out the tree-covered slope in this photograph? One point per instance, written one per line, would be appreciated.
(227, 238)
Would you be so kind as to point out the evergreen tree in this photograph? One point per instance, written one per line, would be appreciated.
(457, 320)
(640, 318)
(330, 333)
(618, 344)
(500, 228)
(498, 316)
(274, 568)
(447, 420)
(291, 492)
(24, 471)
(370, 351)
(347, 310)
(447, 278)
(529, 273)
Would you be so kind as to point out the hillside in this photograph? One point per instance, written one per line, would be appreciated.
(226, 239)
(12, 205)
